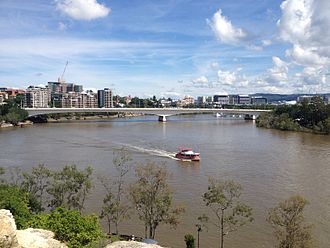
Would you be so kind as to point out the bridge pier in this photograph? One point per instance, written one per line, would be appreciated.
(162, 118)
(249, 117)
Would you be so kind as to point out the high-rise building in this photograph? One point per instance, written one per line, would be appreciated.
(100, 98)
(37, 97)
(105, 98)
(108, 101)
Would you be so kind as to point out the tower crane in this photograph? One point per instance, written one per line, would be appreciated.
(61, 79)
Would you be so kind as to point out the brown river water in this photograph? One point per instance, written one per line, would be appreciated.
(270, 165)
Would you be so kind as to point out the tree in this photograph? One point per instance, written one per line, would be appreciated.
(36, 183)
(152, 198)
(190, 241)
(70, 226)
(114, 209)
(223, 199)
(70, 187)
(287, 220)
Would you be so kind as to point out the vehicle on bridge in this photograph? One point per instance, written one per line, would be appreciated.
(187, 154)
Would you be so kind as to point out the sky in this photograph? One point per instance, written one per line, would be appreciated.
(168, 48)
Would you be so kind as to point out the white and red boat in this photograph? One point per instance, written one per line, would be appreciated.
(187, 154)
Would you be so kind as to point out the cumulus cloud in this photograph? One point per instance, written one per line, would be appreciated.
(82, 9)
(202, 82)
(224, 30)
(232, 79)
(279, 73)
(306, 24)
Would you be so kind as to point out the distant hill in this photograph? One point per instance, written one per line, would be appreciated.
(286, 97)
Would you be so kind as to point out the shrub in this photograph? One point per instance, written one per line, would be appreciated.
(190, 241)
(70, 226)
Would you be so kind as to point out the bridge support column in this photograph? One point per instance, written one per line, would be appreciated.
(162, 118)
(249, 117)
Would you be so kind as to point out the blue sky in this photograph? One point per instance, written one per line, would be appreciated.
(168, 48)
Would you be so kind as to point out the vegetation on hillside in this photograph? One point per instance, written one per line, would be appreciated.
(54, 200)
(306, 116)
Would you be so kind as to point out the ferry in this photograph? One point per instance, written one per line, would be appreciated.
(187, 154)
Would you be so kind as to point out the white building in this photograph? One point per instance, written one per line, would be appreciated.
(37, 97)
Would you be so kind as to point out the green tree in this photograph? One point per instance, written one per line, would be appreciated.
(70, 226)
(153, 198)
(114, 208)
(36, 183)
(15, 115)
(222, 197)
(287, 220)
(17, 201)
(70, 187)
(190, 241)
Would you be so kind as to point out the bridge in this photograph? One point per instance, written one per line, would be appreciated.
(161, 112)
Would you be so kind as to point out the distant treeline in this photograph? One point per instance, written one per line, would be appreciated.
(307, 116)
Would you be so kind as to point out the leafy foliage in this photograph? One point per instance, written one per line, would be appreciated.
(36, 184)
(70, 187)
(17, 201)
(222, 197)
(152, 198)
(190, 241)
(288, 222)
(11, 112)
(114, 208)
(313, 115)
(70, 226)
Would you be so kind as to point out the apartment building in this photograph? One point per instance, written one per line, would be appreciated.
(105, 98)
(37, 97)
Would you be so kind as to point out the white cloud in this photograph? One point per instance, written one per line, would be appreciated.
(233, 79)
(226, 77)
(202, 82)
(82, 9)
(278, 75)
(266, 42)
(306, 25)
(296, 18)
(224, 30)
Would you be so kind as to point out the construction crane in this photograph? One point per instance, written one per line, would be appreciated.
(61, 79)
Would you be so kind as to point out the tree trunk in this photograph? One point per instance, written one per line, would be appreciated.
(222, 233)
(150, 231)
(109, 226)
(116, 226)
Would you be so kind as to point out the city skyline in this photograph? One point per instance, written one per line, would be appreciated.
(168, 48)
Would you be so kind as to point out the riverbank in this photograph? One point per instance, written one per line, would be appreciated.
(19, 124)
(69, 118)
(91, 117)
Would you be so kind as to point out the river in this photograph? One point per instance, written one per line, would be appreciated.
(270, 165)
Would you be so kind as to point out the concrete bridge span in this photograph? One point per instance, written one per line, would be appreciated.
(161, 112)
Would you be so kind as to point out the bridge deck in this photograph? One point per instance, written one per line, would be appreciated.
(152, 111)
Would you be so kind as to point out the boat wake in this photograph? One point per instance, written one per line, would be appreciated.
(154, 152)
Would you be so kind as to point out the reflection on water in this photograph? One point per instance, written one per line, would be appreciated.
(271, 166)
